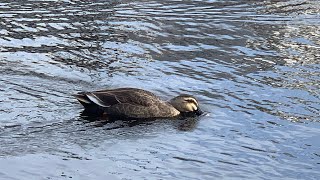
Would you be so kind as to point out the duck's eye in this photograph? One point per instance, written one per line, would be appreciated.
(190, 100)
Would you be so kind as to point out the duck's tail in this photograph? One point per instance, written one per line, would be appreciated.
(89, 106)
(83, 99)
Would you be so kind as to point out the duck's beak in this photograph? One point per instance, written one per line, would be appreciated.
(198, 112)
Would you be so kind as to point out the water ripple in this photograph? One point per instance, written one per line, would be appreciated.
(253, 65)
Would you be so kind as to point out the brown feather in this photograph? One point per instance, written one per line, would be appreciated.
(132, 103)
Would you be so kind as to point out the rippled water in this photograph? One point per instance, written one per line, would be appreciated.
(253, 65)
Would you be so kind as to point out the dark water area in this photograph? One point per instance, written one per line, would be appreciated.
(254, 66)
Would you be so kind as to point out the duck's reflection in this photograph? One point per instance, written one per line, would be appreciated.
(182, 123)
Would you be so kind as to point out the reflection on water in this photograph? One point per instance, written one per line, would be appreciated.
(253, 65)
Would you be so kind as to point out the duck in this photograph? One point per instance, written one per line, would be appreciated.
(135, 103)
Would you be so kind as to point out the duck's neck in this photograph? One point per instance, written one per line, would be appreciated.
(173, 103)
(169, 110)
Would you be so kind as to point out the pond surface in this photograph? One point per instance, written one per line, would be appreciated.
(254, 66)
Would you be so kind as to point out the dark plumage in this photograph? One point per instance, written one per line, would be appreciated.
(135, 103)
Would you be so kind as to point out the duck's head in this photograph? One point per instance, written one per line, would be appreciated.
(186, 104)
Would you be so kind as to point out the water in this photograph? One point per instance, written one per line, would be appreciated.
(253, 65)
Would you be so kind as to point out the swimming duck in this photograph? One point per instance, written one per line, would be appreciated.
(136, 103)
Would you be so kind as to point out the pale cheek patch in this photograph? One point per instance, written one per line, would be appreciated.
(188, 107)
(193, 100)
(191, 107)
(194, 107)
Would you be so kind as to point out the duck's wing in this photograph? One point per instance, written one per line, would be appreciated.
(107, 98)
